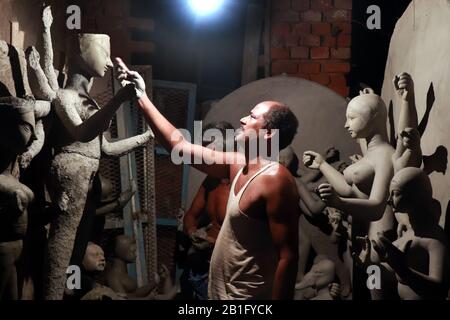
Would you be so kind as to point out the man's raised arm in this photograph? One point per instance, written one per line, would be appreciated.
(214, 163)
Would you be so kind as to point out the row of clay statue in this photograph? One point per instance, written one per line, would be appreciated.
(380, 209)
(72, 124)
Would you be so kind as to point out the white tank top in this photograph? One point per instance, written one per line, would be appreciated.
(244, 259)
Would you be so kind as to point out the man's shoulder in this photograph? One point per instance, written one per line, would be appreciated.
(277, 179)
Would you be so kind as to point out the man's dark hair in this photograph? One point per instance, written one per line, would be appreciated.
(282, 118)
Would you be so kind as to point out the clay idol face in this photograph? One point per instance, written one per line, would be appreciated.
(94, 258)
(95, 53)
(357, 121)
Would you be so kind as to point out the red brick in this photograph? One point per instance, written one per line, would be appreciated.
(336, 67)
(321, 78)
(303, 76)
(281, 29)
(343, 4)
(321, 4)
(345, 27)
(321, 28)
(338, 80)
(279, 53)
(286, 16)
(338, 15)
(292, 40)
(309, 67)
(329, 41)
(343, 91)
(344, 40)
(284, 66)
(341, 53)
(300, 53)
(301, 28)
(282, 4)
(320, 53)
(312, 16)
(300, 5)
(277, 41)
(310, 40)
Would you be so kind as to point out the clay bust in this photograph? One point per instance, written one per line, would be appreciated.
(419, 258)
(17, 124)
(79, 142)
(116, 276)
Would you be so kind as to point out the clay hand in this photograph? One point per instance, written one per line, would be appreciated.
(367, 90)
(125, 76)
(363, 259)
(404, 85)
(47, 17)
(389, 253)
(410, 138)
(312, 160)
(329, 195)
(403, 223)
(200, 239)
(335, 290)
(355, 158)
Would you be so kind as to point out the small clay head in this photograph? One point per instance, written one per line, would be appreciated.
(94, 258)
(365, 114)
(409, 189)
(91, 53)
(17, 123)
(125, 248)
(324, 270)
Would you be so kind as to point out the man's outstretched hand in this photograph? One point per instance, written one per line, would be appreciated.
(126, 76)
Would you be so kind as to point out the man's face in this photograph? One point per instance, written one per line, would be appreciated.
(254, 122)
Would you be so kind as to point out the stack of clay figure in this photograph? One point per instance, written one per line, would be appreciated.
(375, 213)
(65, 119)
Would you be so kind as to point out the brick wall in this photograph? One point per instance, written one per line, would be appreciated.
(311, 39)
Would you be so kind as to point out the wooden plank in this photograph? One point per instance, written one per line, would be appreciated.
(253, 28)
(267, 39)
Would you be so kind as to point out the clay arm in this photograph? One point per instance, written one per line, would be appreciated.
(283, 224)
(38, 81)
(41, 108)
(194, 212)
(122, 147)
(408, 152)
(371, 209)
(35, 147)
(314, 160)
(214, 163)
(425, 285)
(119, 203)
(314, 206)
(431, 284)
(89, 129)
(49, 71)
